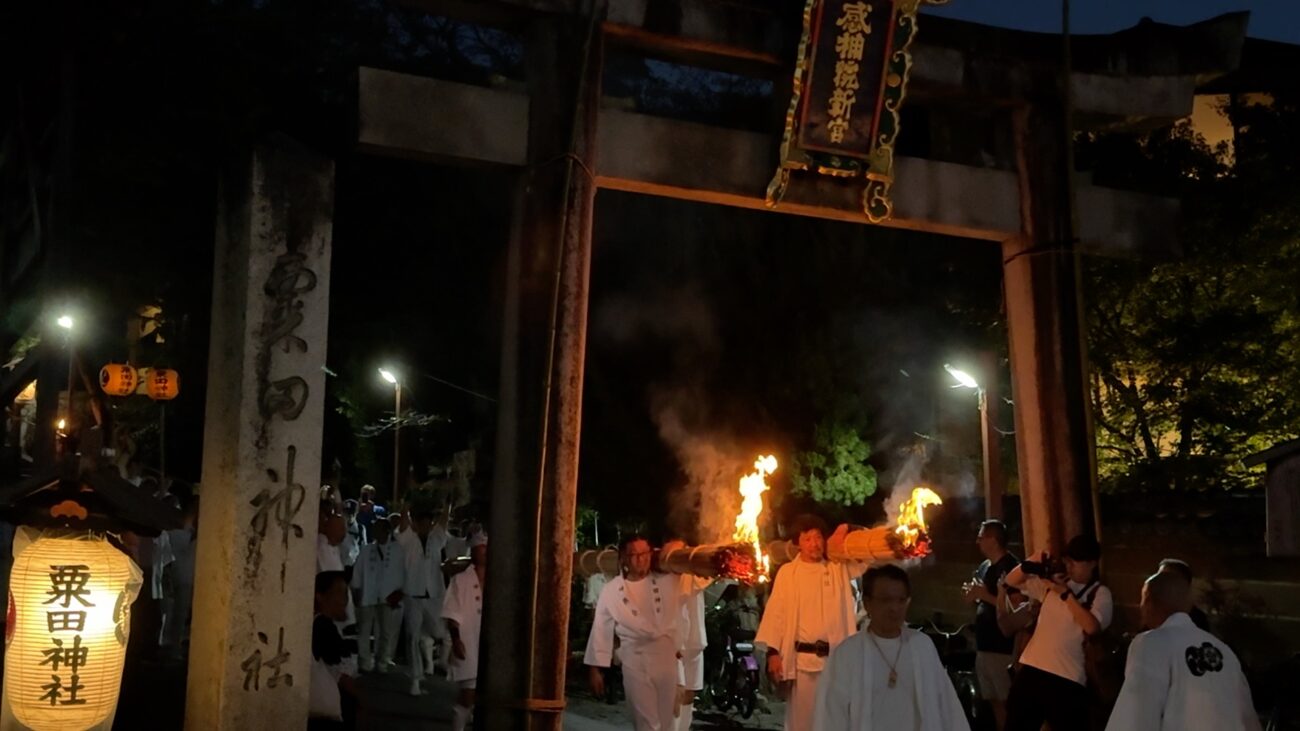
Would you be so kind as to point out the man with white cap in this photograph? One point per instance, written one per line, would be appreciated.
(462, 610)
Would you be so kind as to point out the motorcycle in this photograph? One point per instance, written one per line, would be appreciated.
(731, 669)
(734, 684)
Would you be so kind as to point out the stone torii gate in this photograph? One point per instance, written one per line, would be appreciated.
(565, 146)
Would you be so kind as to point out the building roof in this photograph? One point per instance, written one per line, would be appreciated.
(1274, 454)
(1205, 50)
(1266, 66)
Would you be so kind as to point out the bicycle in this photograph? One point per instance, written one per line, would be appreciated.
(959, 660)
(1285, 713)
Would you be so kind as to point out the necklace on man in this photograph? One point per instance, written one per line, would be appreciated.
(893, 667)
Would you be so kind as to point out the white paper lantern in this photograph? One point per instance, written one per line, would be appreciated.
(70, 595)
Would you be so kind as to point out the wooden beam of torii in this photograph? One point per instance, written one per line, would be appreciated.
(1145, 73)
(422, 118)
(552, 134)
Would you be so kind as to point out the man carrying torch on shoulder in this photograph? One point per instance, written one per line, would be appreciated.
(692, 641)
(647, 611)
(811, 610)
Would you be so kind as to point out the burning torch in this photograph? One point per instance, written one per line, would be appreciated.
(908, 538)
(715, 561)
(742, 560)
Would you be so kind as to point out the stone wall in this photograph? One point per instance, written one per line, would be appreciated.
(1253, 601)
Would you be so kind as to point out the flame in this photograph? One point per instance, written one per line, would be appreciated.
(752, 487)
(911, 528)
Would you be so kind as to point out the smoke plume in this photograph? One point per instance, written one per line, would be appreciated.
(702, 507)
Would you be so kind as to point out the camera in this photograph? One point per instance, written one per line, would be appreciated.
(1047, 568)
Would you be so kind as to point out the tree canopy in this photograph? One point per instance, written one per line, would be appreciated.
(1193, 360)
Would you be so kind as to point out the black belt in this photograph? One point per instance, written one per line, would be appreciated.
(820, 648)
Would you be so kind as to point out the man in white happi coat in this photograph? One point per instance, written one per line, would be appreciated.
(888, 676)
(810, 612)
(462, 610)
(378, 578)
(693, 641)
(422, 607)
(646, 610)
(1180, 677)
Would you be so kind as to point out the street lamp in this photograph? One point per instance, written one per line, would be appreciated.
(988, 434)
(391, 377)
(66, 322)
(964, 379)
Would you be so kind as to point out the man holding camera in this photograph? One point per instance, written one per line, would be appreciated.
(992, 647)
(1051, 685)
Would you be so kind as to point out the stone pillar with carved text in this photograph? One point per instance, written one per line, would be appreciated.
(250, 641)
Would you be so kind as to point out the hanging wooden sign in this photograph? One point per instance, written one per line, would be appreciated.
(849, 81)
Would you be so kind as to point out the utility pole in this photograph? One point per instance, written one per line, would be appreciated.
(990, 394)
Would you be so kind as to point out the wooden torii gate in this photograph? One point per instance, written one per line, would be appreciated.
(553, 132)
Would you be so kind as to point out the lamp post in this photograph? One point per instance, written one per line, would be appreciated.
(988, 433)
(390, 377)
(65, 322)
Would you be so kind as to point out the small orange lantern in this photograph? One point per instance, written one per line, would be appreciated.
(164, 384)
(118, 379)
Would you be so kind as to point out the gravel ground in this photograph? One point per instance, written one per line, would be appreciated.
(586, 713)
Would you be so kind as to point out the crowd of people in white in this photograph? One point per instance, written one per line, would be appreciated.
(1037, 623)
(381, 577)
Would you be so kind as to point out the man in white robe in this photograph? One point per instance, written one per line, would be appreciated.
(810, 612)
(422, 607)
(462, 610)
(693, 641)
(888, 677)
(1180, 677)
(646, 611)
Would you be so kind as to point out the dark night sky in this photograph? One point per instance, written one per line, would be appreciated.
(1277, 20)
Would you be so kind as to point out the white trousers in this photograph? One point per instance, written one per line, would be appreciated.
(650, 677)
(802, 701)
(421, 618)
(383, 623)
(462, 715)
(176, 615)
(692, 680)
(685, 715)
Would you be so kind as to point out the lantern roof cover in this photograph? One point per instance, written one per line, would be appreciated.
(80, 496)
